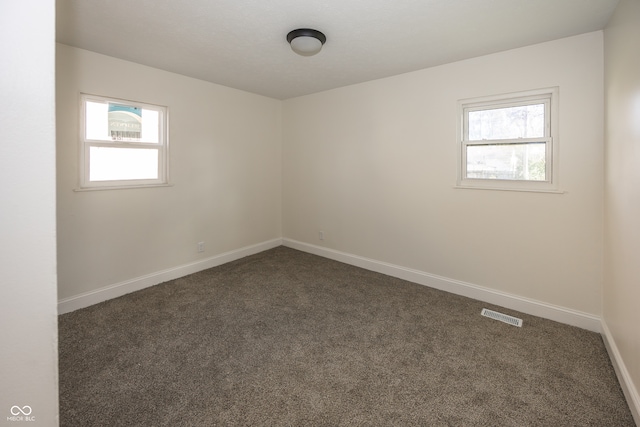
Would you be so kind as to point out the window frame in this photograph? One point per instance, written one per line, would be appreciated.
(548, 97)
(87, 143)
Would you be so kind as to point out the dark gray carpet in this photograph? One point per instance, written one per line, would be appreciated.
(285, 338)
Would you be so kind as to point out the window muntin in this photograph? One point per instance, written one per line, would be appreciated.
(123, 143)
(507, 142)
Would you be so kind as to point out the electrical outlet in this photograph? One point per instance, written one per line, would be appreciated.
(321, 235)
(200, 246)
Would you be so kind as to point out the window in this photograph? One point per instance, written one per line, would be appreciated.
(509, 141)
(123, 143)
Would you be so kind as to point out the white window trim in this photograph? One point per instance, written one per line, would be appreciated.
(85, 144)
(551, 185)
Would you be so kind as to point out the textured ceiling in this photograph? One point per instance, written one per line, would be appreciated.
(241, 43)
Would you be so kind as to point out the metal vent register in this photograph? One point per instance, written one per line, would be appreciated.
(502, 317)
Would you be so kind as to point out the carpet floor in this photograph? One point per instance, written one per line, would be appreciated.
(285, 338)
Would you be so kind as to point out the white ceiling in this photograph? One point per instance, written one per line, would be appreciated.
(241, 43)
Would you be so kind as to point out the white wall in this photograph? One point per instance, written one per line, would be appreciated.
(225, 167)
(28, 322)
(622, 195)
(374, 165)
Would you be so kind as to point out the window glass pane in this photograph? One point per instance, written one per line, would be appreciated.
(150, 126)
(97, 125)
(507, 161)
(109, 163)
(121, 122)
(525, 121)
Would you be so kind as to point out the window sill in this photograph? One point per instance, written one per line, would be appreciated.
(122, 187)
(523, 190)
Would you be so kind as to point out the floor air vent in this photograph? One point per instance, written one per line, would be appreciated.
(502, 317)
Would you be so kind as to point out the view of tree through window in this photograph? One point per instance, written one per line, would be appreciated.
(506, 161)
(502, 155)
(525, 121)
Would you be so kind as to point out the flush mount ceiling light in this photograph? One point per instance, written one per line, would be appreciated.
(305, 41)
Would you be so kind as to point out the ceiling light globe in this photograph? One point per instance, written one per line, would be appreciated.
(306, 46)
(305, 41)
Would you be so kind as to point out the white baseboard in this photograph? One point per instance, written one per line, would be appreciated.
(86, 299)
(503, 299)
(514, 302)
(626, 383)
